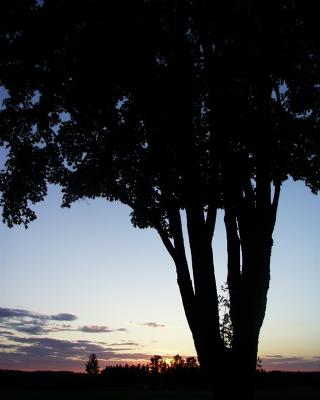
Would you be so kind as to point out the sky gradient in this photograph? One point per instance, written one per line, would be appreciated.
(83, 280)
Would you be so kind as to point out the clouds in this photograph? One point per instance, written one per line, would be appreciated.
(13, 313)
(99, 329)
(30, 353)
(125, 344)
(151, 324)
(63, 317)
(31, 328)
(26, 342)
(32, 323)
(35, 341)
(41, 353)
(16, 313)
(292, 363)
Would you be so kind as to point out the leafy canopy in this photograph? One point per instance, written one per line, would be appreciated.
(158, 104)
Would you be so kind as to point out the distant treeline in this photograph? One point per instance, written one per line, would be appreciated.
(139, 377)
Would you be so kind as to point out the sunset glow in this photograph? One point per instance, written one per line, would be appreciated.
(125, 305)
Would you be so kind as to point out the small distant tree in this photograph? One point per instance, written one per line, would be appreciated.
(259, 365)
(92, 366)
(191, 362)
(178, 362)
(156, 362)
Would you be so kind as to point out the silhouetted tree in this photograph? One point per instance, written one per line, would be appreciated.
(156, 364)
(187, 108)
(92, 366)
(162, 374)
(259, 365)
(191, 362)
(178, 362)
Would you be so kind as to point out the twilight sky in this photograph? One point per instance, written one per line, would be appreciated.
(83, 280)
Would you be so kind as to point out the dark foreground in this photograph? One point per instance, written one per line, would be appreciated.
(297, 393)
(126, 384)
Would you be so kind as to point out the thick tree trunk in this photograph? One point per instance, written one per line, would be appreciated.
(249, 314)
(213, 360)
(231, 372)
(249, 239)
(202, 318)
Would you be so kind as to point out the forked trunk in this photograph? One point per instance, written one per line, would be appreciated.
(249, 239)
(248, 315)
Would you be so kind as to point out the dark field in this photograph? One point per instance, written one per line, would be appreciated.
(293, 393)
(130, 383)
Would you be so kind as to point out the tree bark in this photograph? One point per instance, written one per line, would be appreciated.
(249, 237)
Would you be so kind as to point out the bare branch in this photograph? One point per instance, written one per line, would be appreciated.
(233, 243)
(275, 203)
(166, 241)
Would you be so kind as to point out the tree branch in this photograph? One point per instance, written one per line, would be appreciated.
(234, 265)
(275, 203)
(177, 234)
(183, 273)
(211, 220)
(166, 241)
(233, 247)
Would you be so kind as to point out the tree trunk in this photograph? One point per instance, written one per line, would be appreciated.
(231, 372)
(208, 343)
(249, 315)
(249, 239)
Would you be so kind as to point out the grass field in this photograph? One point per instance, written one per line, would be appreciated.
(296, 393)
(291, 393)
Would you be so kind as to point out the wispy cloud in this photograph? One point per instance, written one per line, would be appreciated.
(6, 333)
(125, 344)
(151, 324)
(31, 328)
(99, 329)
(16, 313)
(32, 323)
(273, 356)
(63, 317)
(290, 363)
(7, 346)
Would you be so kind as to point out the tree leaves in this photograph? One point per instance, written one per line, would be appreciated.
(161, 100)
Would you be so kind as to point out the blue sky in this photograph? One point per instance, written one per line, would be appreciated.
(83, 280)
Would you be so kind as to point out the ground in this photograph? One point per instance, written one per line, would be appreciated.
(294, 393)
